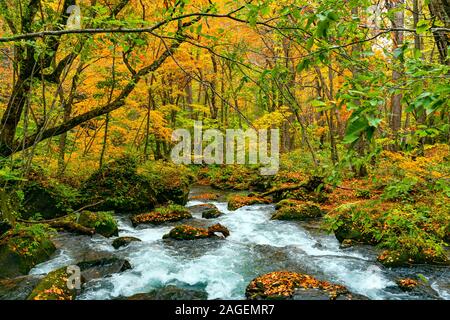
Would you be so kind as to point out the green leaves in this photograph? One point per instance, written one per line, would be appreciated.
(325, 18)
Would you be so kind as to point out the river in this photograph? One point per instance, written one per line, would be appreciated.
(223, 268)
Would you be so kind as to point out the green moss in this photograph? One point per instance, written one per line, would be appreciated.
(24, 247)
(53, 287)
(46, 197)
(185, 232)
(298, 211)
(401, 258)
(124, 186)
(104, 223)
(169, 213)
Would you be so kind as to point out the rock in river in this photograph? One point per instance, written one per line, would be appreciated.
(292, 285)
(186, 232)
(124, 241)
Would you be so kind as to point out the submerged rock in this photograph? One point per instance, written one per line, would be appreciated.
(208, 211)
(23, 248)
(123, 241)
(171, 293)
(292, 285)
(296, 210)
(96, 269)
(170, 213)
(186, 232)
(236, 202)
(104, 223)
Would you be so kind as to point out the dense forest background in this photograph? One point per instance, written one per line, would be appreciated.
(359, 89)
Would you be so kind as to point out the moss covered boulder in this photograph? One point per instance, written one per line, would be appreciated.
(104, 223)
(296, 210)
(54, 287)
(402, 258)
(286, 285)
(170, 213)
(125, 186)
(47, 197)
(124, 241)
(186, 232)
(22, 248)
(237, 201)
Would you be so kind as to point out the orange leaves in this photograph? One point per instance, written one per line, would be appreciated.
(236, 202)
(284, 283)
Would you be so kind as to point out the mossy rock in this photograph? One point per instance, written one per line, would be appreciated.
(119, 187)
(349, 230)
(124, 241)
(47, 197)
(54, 287)
(211, 212)
(290, 210)
(125, 187)
(399, 258)
(283, 285)
(22, 248)
(170, 182)
(170, 213)
(104, 223)
(235, 202)
(186, 232)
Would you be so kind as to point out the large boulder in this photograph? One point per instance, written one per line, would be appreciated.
(169, 213)
(124, 186)
(22, 248)
(186, 232)
(46, 197)
(291, 285)
(297, 210)
(103, 222)
(54, 286)
(237, 201)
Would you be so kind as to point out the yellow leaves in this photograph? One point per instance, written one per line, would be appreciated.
(274, 119)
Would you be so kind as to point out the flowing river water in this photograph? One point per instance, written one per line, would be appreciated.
(223, 268)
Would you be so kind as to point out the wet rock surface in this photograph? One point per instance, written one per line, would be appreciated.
(171, 293)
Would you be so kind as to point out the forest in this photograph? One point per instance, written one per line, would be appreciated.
(315, 139)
